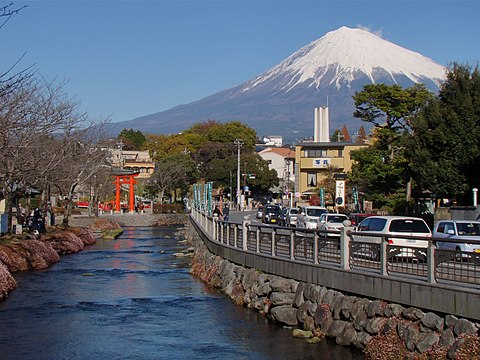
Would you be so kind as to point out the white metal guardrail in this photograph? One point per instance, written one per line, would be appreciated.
(343, 250)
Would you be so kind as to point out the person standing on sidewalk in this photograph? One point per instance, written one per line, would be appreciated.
(226, 212)
(217, 212)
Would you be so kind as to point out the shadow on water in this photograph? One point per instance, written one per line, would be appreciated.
(130, 298)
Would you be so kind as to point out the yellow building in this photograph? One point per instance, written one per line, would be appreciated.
(314, 161)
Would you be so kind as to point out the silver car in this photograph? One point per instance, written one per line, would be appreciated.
(393, 229)
(329, 222)
(291, 217)
(461, 231)
(308, 216)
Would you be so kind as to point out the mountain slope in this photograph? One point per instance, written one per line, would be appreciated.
(281, 100)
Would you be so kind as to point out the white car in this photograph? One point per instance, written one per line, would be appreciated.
(461, 231)
(291, 217)
(391, 229)
(309, 215)
(329, 222)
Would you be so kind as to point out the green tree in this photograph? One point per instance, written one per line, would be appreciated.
(132, 140)
(444, 149)
(381, 170)
(389, 106)
(254, 173)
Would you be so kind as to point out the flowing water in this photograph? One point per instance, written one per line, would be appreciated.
(130, 298)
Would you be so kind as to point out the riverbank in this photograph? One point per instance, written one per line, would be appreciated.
(27, 252)
(381, 330)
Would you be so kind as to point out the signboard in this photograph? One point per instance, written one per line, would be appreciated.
(340, 192)
(321, 162)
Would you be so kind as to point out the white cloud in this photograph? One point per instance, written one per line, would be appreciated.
(378, 32)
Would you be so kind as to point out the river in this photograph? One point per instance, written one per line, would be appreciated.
(130, 298)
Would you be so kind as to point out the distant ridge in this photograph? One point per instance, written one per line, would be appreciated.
(281, 100)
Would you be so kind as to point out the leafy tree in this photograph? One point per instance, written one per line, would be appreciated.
(132, 140)
(381, 170)
(223, 172)
(389, 106)
(444, 150)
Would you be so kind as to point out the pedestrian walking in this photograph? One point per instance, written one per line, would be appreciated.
(226, 212)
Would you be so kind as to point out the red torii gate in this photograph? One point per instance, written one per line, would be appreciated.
(125, 177)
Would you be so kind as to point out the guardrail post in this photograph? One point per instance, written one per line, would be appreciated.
(431, 262)
(214, 227)
(245, 224)
(383, 256)
(257, 242)
(315, 247)
(292, 244)
(272, 245)
(235, 234)
(345, 247)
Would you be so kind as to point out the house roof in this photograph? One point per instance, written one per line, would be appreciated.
(285, 152)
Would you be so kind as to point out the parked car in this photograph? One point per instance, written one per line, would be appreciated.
(461, 231)
(308, 216)
(357, 218)
(329, 222)
(291, 217)
(392, 228)
(260, 212)
(271, 214)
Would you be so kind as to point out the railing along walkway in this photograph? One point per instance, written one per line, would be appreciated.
(343, 250)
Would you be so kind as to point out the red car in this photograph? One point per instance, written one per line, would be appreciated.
(357, 218)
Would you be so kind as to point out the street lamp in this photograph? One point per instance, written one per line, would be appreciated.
(239, 143)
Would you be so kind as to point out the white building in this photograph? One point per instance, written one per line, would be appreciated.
(282, 160)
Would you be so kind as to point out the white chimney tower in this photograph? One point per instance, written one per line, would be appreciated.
(321, 128)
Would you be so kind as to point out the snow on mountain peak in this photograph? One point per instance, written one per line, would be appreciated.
(344, 54)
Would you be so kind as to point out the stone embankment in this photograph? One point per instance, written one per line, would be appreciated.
(23, 253)
(382, 330)
(135, 219)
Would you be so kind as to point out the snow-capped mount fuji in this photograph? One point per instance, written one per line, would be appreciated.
(342, 56)
(281, 100)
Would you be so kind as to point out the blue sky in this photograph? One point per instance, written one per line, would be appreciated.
(125, 59)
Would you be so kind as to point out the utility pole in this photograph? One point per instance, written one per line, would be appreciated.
(238, 143)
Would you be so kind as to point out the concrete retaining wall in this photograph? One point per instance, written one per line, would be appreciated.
(376, 326)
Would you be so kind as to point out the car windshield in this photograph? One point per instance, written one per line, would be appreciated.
(273, 210)
(337, 218)
(409, 226)
(316, 212)
(293, 211)
(468, 229)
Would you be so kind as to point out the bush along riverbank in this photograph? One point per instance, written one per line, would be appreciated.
(381, 330)
(25, 252)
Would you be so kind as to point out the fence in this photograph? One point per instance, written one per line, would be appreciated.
(431, 278)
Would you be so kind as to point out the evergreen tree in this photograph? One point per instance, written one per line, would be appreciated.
(444, 149)
(132, 140)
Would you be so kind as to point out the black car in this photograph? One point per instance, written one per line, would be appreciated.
(271, 214)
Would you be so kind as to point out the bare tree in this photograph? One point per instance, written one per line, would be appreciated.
(44, 141)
